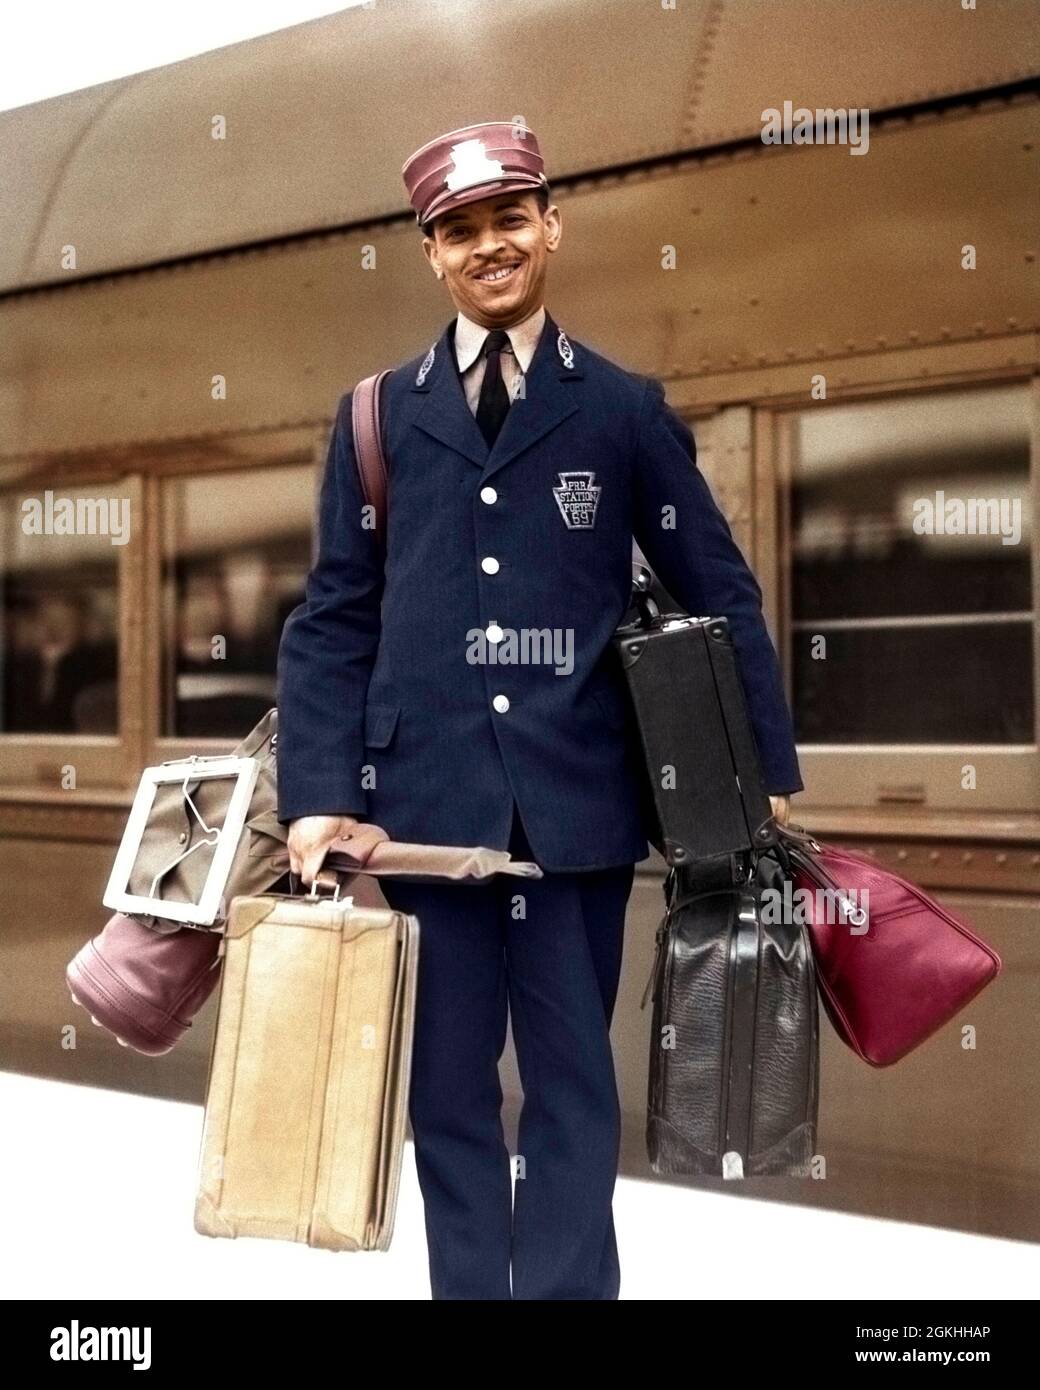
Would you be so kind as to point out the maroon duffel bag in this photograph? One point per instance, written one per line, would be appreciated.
(142, 985)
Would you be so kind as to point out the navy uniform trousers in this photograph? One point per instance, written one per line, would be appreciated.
(547, 954)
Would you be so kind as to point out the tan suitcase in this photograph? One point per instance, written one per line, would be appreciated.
(307, 1099)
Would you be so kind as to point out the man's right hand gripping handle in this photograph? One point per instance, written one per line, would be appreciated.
(309, 841)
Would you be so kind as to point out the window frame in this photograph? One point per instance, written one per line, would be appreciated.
(109, 766)
(33, 762)
(873, 777)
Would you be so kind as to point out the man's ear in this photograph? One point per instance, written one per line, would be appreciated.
(553, 227)
(429, 246)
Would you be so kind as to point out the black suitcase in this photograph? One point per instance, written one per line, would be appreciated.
(699, 747)
(734, 1051)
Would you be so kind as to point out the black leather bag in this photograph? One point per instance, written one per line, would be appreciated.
(699, 747)
(734, 1054)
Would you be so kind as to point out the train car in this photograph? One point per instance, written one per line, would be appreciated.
(197, 261)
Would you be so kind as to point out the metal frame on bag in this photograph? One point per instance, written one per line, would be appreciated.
(224, 839)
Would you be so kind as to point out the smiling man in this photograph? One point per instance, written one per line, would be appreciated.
(522, 465)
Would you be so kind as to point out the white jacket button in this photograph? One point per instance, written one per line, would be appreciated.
(501, 703)
(489, 564)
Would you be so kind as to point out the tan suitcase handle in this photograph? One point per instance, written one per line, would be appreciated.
(327, 880)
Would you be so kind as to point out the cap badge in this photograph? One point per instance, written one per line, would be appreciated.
(472, 165)
(577, 499)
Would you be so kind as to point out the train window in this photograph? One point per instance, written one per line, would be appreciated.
(60, 576)
(236, 552)
(911, 601)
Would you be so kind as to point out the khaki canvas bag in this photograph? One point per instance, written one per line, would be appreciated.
(168, 854)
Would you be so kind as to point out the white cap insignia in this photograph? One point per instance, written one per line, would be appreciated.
(472, 165)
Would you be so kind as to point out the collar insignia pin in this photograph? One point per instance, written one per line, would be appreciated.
(427, 363)
(565, 350)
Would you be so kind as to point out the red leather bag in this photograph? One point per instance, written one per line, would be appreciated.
(895, 965)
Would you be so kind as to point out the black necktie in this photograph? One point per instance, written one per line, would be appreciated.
(493, 406)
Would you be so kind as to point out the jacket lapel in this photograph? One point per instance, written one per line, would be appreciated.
(548, 399)
(445, 414)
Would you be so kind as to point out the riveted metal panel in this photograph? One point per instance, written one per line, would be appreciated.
(320, 117)
(874, 54)
(794, 261)
(787, 263)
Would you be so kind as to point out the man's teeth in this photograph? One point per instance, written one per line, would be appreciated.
(498, 274)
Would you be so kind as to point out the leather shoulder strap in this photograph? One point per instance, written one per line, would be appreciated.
(368, 447)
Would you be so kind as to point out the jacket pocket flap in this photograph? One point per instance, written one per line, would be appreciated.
(380, 723)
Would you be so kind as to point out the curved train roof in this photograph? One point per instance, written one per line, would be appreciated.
(321, 117)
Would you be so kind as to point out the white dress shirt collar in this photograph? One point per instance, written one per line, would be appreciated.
(523, 339)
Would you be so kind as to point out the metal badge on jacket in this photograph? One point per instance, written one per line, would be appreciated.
(577, 498)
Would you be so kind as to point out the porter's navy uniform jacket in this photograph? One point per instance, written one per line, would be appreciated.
(381, 714)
